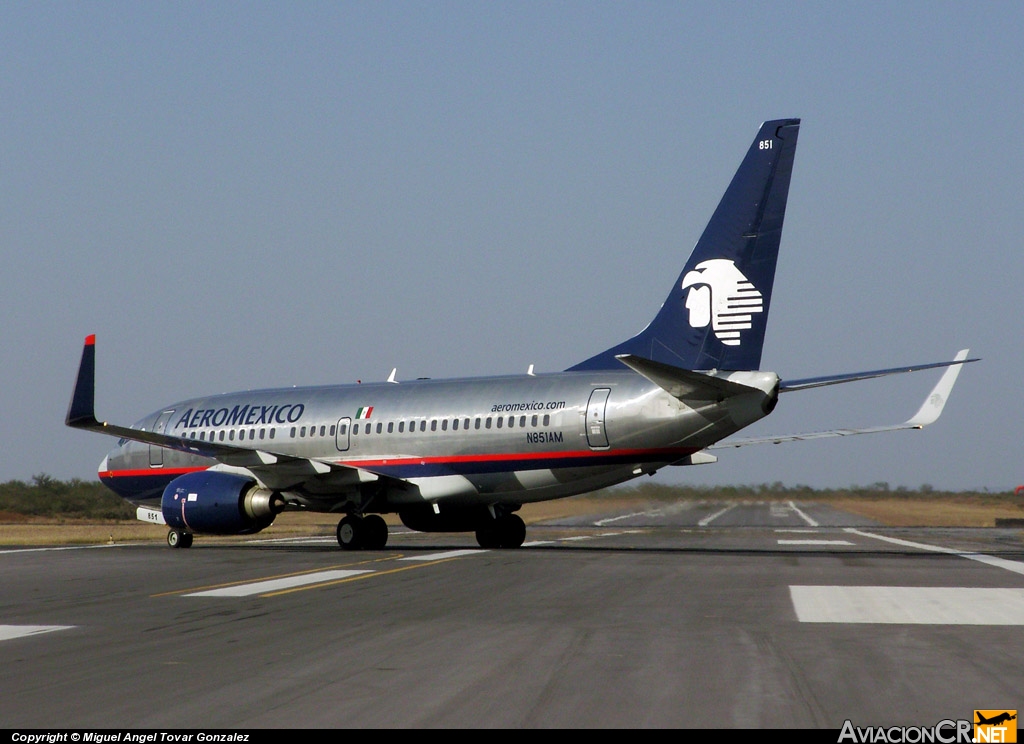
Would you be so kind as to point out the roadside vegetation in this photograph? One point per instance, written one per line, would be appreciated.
(76, 504)
(49, 498)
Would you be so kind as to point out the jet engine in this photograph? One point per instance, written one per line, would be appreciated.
(219, 504)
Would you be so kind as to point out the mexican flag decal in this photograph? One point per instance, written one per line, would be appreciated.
(364, 412)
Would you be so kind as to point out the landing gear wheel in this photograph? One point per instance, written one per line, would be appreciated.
(487, 538)
(350, 533)
(179, 539)
(508, 531)
(511, 531)
(375, 532)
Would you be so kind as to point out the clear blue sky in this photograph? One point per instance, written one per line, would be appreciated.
(249, 195)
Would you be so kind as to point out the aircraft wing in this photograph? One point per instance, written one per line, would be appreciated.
(273, 468)
(928, 413)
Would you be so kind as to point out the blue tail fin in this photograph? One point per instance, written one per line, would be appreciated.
(716, 314)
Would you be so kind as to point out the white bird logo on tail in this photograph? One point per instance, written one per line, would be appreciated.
(720, 295)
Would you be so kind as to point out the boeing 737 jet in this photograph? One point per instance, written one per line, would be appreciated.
(466, 454)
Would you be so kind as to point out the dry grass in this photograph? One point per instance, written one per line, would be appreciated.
(921, 512)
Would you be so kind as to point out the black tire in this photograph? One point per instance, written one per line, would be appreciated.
(375, 532)
(511, 531)
(487, 538)
(179, 539)
(350, 533)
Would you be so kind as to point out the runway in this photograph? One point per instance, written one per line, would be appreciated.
(693, 615)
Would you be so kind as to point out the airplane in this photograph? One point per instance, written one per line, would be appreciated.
(995, 720)
(466, 454)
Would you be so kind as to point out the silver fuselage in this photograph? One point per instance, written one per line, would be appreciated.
(494, 440)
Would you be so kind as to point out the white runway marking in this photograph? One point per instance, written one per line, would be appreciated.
(9, 632)
(293, 541)
(273, 585)
(797, 530)
(815, 542)
(712, 517)
(991, 560)
(802, 515)
(912, 605)
(443, 556)
(69, 547)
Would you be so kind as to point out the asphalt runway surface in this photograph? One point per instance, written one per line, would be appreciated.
(688, 615)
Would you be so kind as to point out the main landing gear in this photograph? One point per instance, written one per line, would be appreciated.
(179, 539)
(362, 533)
(508, 531)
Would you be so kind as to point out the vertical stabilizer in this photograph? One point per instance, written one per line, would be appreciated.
(716, 314)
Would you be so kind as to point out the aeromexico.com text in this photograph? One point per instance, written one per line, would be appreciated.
(552, 405)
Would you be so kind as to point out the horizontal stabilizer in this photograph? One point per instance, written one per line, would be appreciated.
(928, 413)
(812, 382)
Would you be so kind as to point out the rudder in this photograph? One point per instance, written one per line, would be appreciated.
(716, 314)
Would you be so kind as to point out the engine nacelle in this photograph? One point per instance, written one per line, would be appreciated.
(217, 503)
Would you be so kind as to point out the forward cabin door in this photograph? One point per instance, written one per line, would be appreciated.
(156, 454)
(342, 439)
(597, 437)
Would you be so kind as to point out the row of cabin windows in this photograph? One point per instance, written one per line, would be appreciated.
(465, 423)
(229, 435)
(302, 432)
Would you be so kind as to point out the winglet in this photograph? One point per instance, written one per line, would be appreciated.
(932, 407)
(81, 411)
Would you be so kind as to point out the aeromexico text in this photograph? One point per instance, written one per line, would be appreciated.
(247, 415)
